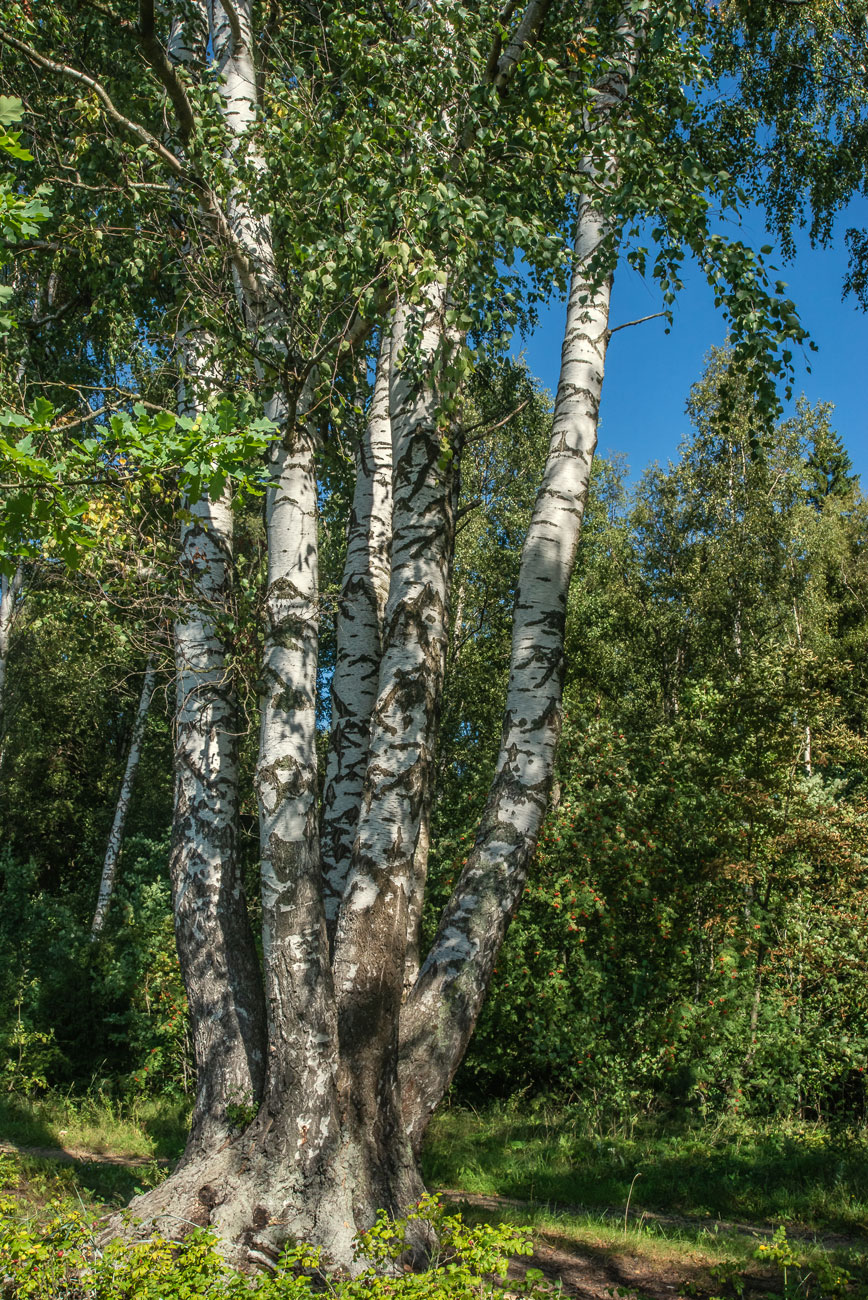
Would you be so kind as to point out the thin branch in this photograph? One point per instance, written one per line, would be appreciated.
(641, 321)
(211, 207)
(497, 42)
(105, 11)
(489, 428)
(228, 7)
(525, 34)
(159, 62)
(265, 48)
(466, 509)
(73, 74)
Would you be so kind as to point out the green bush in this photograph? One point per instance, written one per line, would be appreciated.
(62, 1258)
(73, 1011)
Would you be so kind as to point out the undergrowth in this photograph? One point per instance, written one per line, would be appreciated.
(63, 1258)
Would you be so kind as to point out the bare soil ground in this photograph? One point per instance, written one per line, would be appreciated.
(76, 1155)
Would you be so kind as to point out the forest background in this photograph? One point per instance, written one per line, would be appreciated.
(690, 944)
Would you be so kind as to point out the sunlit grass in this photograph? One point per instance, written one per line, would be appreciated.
(96, 1122)
(805, 1176)
(690, 1202)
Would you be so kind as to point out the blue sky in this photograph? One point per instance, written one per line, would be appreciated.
(649, 373)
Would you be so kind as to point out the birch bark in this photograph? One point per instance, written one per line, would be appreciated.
(371, 940)
(439, 1016)
(364, 590)
(115, 839)
(332, 1140)
(10, 591)
(212, 930)
(301, 1021)
(441, 1011)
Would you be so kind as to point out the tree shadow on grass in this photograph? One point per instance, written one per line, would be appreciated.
(814, 1181)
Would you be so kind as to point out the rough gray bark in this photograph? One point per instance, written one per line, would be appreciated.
(364, 590)
(116, 835)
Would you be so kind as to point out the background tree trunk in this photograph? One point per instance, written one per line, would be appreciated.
(116, 835)
(10, 591)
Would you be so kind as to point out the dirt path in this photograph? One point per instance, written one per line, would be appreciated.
(78, 1156)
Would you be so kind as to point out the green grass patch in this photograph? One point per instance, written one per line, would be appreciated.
(96, 1122)
(39, 1187)
(804, 1176)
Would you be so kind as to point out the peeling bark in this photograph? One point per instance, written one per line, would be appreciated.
(364, 590)
(116, 835)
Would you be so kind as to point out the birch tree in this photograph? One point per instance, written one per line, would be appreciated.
(116, 834)
(10, 594)
(420, 152)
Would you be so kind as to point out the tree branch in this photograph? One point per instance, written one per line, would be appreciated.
(497, 42)
(228, 7)
(73, 74)
(265, 48)
(159, 62)
(641, 321)
(525, 34)
(211, 208)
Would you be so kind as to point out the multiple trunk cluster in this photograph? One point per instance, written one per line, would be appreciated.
(342, 1043)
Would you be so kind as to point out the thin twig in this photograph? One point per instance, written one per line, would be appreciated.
(641, 321)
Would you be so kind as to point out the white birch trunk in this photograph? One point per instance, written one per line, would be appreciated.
(300, 1003)
(302, 1033)
(10, 591)
(215, 944)
(116, 835)
(329, 1145)
(371, 940)
(441, 1011)
(364, 590)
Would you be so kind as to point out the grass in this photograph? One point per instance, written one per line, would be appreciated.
(804, 1176)
(701, 1200)
(139, 1128)
(37, 1184)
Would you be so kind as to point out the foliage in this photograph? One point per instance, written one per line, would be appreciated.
(20, 214)
(58, 490)
(64, 1254)
(116, 1009)
(689, 934)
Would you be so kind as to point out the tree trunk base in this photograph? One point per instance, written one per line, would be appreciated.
(257, 1199)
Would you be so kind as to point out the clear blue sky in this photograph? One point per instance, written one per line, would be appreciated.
(649, 373)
